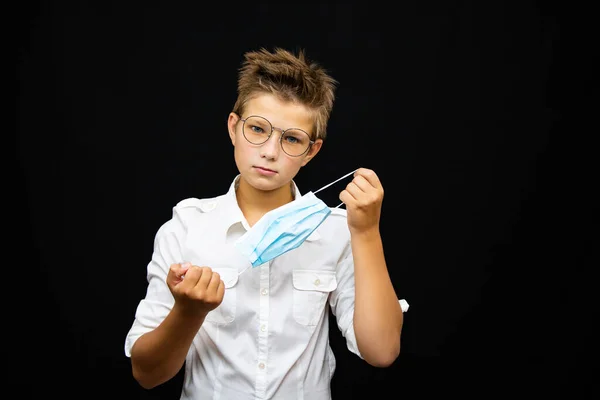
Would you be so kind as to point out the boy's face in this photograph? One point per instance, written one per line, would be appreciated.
(267, 166)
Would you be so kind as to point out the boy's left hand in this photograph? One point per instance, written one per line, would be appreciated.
(363, 197)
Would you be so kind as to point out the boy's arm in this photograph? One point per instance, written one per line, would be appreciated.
(167, 319)
(378, 316)
(158, 355)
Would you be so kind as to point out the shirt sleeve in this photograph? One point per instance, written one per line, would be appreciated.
(158, 301)
(342, 299)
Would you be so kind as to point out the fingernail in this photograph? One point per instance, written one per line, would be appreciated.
(186, 265)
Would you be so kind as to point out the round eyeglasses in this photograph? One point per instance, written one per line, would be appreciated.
(294, 141)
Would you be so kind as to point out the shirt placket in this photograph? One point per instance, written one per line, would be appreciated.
(263, 332)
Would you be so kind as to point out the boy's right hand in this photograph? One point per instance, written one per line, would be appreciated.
(197, 290)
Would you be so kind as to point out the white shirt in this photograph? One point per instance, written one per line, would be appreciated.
(269, 338)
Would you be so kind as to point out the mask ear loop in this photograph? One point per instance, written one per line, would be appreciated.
(337, 180)
(244, 270)
(238, 275)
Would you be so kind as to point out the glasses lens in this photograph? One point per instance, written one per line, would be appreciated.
(257, 130)
(295, 142)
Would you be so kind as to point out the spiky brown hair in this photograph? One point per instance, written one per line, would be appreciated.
(291, 77)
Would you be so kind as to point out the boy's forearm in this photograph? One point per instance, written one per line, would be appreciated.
(377, 314)
(157, 356)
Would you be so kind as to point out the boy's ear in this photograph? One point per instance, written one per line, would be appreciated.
(312, 152)
(232, 122)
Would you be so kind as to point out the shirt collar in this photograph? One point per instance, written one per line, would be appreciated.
(230, 212)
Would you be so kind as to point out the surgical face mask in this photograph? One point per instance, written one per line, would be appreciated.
(284, 228)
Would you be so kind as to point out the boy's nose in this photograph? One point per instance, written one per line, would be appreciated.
(270, 149)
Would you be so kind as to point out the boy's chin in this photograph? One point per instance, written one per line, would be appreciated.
(268, 184)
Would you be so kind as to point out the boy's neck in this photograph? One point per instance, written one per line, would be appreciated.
(254, 203)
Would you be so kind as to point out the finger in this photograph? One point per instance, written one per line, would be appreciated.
(177, 272)
(356, 192)
(204, 278)
(221, 290)
(370, 176)
(213, 285)
(346, 198)
(363, 184)
(192, 275)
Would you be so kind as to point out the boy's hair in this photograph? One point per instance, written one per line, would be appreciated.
(291, 78)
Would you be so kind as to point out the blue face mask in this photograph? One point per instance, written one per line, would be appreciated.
(284, 228)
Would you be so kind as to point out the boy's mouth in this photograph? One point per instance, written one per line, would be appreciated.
(264, 169)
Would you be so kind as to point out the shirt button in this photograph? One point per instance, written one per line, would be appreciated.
(263, 328)
(317, 282)
(261, 365)
(264, 292)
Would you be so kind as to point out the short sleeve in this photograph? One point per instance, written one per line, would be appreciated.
(158, 301)
(342, 300)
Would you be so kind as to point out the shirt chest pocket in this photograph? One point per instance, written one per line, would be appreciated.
(225, 312)
(311, 290)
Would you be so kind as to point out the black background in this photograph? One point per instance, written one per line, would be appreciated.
(472, 115)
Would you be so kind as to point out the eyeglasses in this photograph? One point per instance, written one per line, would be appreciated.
(294, 141)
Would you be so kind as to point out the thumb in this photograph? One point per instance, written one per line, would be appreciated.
(177, 273)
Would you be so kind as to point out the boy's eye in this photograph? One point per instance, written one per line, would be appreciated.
(257, 129)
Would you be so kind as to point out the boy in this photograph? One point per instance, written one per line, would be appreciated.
(263, 334)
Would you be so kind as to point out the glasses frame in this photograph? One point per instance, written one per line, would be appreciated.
(283, 131)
